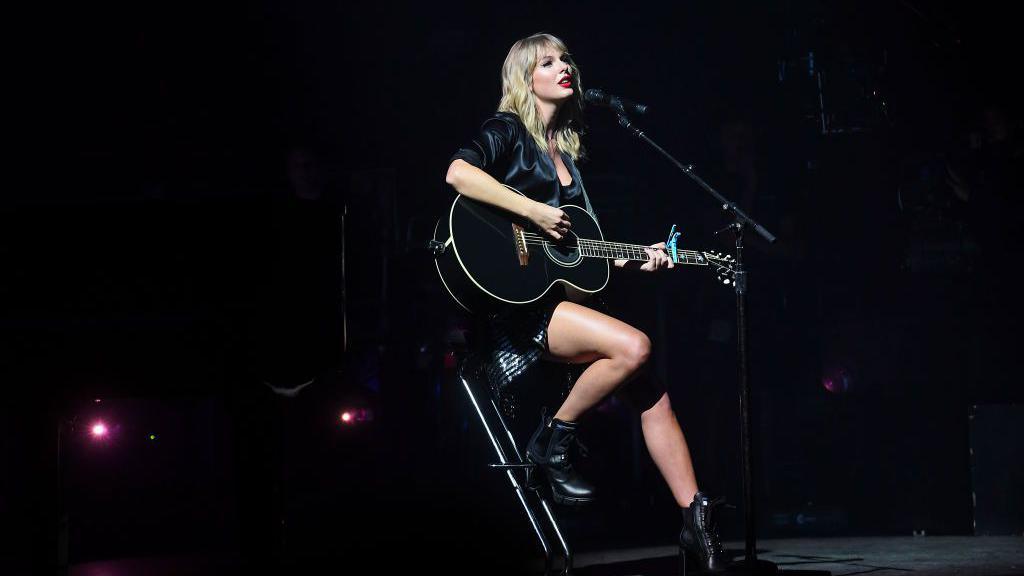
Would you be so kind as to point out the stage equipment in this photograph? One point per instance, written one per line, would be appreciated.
(997, 469)
(532, 497)
(740, 222)
(620, 105)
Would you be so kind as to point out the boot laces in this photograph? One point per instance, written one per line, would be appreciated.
(710, 528)
(573, 447)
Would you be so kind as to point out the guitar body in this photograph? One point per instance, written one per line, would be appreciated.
(492, 258)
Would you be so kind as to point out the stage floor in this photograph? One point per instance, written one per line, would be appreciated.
(910, 556)
(920, 556)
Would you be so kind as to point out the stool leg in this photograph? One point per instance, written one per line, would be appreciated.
(558, 532)
(534, 479)
(538, 531)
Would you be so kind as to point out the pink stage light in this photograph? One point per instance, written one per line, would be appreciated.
(99, 430)
(837, 380)
(352, 416)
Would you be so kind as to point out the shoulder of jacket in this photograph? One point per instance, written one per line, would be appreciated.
(509, 120)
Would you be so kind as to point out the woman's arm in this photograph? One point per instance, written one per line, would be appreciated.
(474, 183)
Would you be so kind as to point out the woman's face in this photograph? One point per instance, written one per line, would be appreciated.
(553, 77)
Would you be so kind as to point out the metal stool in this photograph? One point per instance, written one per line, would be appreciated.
(471, 376)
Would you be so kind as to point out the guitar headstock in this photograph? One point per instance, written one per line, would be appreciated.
(724, 266)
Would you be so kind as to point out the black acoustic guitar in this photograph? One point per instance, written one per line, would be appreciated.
(488, 257)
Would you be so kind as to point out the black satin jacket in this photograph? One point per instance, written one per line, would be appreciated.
(506, 151)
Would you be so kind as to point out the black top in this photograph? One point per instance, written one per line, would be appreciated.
(506, 151)
(570, 193)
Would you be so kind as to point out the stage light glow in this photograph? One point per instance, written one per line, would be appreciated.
(152, 436)
(99, 430)
(837, 380)
(351, 416)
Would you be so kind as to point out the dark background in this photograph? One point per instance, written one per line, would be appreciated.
(178, 243)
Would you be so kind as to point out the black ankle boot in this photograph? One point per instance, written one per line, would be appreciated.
(700, 546)
(549, 449)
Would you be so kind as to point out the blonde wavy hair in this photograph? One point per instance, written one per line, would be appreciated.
(516, 96)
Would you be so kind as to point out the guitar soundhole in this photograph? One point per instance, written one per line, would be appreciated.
(564, 252)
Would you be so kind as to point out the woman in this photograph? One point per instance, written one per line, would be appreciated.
(531, 144)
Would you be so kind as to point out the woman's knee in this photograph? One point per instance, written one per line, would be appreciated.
(636, 351)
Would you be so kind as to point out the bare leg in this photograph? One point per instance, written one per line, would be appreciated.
(617, 351)
(599, 380)
(667, 445)
(578, 335)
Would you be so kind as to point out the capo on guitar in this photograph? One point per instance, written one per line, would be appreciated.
(670, 244)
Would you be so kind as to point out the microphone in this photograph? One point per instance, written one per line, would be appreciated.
(620, 105)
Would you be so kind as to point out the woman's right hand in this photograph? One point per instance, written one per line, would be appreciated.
(552, 221)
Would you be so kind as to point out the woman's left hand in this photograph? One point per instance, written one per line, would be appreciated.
(659, 259)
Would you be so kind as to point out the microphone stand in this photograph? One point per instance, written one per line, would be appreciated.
(750, 565)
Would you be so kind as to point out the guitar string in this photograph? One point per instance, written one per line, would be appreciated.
(597, 245)
(635, 250)
(601, 244)
(535, 236)
(639, 258)
(631, 249)
(686, 257)
(624, 248)
(686, 253)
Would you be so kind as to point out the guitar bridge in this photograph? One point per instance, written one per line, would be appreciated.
(521, 250)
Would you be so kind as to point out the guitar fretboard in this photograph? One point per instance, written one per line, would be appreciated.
(618, 251)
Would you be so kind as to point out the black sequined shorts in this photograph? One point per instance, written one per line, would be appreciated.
(517, 338)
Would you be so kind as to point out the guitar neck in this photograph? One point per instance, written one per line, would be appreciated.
(619, 251)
